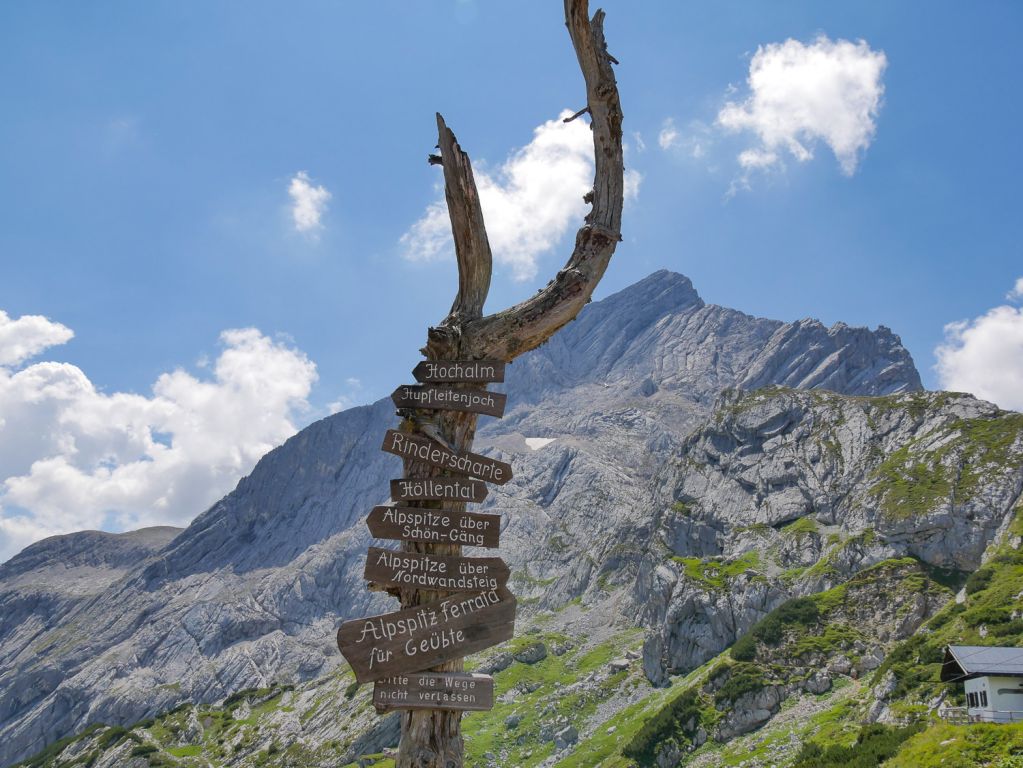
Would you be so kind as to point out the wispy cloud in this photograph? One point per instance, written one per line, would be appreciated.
(308, 203)
(669, 135)
(801, 94)
(529, 202)
(1016, 294)
(694, 141)
(350, 396)
(984, 355)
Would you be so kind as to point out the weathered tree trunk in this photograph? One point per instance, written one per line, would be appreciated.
(432, 738)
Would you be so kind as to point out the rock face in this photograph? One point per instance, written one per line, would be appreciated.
(785, 492)
(47, 580)
(251, 592)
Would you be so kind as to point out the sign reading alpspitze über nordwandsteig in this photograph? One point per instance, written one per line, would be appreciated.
(431, 452)
(439, 572)
(417, 638)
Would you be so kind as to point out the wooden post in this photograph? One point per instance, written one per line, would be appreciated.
(432, 738)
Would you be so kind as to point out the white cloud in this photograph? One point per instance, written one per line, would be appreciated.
(308, 203)
(27, 336)
(528, 203)
(800, 94)
(669, 135)
(984, 356)
(1016, 294)
(72, 457)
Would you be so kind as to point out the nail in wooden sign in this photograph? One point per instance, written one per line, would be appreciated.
(437, 572)
(415, 639)
(435, 690)
(431, 452)
(438, 489)
(455, 371)
(440, 526)
(449, 399)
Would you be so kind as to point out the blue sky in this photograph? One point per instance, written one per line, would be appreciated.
(147, 151)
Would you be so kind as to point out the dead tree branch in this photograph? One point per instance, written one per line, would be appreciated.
(508, 334)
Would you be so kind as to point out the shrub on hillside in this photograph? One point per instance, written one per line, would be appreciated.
(770, 630)
(874, 744)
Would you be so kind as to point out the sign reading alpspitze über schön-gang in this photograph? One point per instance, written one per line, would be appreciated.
(397, 650)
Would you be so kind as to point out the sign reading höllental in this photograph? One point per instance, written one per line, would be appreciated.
(438, 489)
(449, 399)
(441, 526)
(431, 452)
(433, 690)
(438, 572)
(457, 371)
(417, 638)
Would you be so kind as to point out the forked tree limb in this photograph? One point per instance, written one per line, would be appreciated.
(506, 335)
(472, 248)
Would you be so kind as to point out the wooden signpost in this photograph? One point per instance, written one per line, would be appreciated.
(428, 690)
(436, 629)
(459, 371)
(431, 452)
(415, 639)
(441, 526)
(475, 610)
(437, 572)
(449, 399)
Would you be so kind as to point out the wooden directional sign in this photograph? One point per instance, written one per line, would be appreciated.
(435, 690)
(440, 526)
(417, 638)
(431, 452)
(438, 572)
(457, 371)
(449, 399)
(438, 489)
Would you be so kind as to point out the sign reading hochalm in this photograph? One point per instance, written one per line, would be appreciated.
(459, 371)
(474, 610)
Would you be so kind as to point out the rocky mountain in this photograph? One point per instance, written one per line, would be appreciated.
(855, 633)
(652, 496)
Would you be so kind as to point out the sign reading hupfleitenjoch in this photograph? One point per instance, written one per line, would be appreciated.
(440, 526)
(438, 572)
(431, 452)
(449, 399)
(417, 638)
